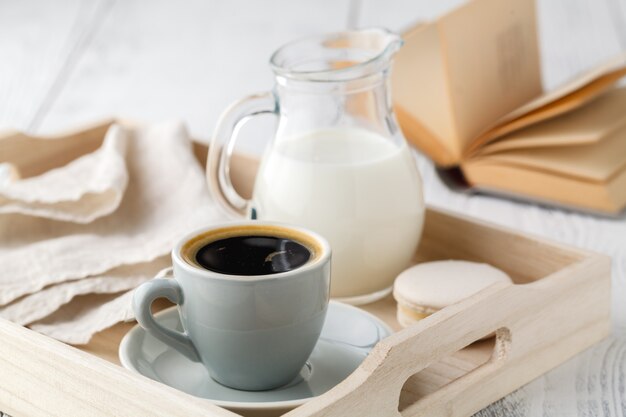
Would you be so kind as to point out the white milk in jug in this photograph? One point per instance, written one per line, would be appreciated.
(356, 188)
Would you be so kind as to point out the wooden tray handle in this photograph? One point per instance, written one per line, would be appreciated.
(374, 388)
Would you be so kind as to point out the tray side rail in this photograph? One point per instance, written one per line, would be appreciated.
(537, 325)
(41, 377)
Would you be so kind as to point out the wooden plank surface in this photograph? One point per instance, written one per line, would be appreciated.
(71, 61)
(40, 43)
(163, 59)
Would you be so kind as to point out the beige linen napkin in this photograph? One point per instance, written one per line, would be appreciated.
(54, 260)
(41, 304)
(89, 187)
(76, 322)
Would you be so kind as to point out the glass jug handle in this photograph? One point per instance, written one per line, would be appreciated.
(223, 143)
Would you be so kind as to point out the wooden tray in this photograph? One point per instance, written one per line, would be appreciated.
(559, 306)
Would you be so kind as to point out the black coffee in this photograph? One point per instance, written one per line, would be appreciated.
(252, 255)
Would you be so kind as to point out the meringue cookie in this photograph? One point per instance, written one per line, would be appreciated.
(430, 286)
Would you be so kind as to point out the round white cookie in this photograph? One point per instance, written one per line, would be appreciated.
(430, 286)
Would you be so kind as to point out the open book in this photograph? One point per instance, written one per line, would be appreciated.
(467, 92)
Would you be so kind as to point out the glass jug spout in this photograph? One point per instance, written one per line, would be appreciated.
(340, 56)
(337, 80)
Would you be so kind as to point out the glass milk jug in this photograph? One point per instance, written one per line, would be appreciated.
(338, 163)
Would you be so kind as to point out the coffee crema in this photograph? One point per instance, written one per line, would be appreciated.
(251, 250)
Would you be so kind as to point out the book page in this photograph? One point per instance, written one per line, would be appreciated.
(592, 162)
(588, 124)
(548, 188)
(420, 94)
(423, 139)
(613, 65)
(492, 61)
(582, 90)
(461, 73)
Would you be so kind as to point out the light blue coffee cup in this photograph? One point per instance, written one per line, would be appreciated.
(250, 332)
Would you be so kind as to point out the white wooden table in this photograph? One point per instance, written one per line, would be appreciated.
(69, 62)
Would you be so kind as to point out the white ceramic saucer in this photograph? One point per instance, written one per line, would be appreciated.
(349, 333)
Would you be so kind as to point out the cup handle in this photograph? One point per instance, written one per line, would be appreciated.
(222, 146)
(143, 297)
